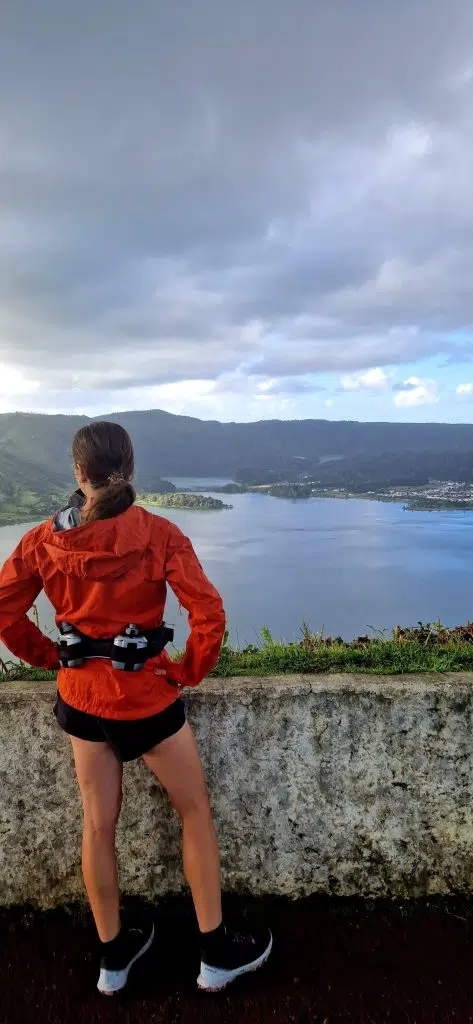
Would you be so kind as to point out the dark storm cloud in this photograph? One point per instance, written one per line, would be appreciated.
(189, 190)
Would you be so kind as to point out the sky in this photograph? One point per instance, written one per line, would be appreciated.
(237, 211)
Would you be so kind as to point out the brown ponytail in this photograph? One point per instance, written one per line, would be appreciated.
(104, 451)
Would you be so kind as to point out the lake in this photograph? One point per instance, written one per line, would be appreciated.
(344, 566)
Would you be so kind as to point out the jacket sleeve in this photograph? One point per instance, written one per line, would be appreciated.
(204, 605)
(20, 584)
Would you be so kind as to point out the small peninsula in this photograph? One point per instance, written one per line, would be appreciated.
(199, 502)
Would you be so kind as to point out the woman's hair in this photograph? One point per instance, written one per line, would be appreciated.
(104, 452)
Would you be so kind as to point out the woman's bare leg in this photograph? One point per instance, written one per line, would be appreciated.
(176, 764)
(99, 775)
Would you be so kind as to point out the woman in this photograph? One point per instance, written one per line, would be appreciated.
(104, 564)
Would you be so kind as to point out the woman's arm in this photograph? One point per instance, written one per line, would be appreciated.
(196, 594)
(20, 584)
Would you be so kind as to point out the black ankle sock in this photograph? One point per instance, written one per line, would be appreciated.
(211, 942)
(116, 944)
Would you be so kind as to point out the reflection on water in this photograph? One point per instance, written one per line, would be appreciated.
(341, 565)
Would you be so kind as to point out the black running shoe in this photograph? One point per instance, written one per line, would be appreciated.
(114, 969)
(240, 953)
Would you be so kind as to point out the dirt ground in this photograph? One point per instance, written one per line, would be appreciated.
(334, 961)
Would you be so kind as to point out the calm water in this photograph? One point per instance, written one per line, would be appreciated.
(341, 565)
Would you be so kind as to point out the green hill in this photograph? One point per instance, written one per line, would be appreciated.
(35, 452)
(168, 445)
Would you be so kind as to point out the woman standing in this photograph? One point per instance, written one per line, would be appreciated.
(104, 564)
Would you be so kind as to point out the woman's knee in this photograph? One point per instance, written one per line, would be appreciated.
(99, 832)
(99, 776)
(100, 819)
(193, 804)
(177, 766)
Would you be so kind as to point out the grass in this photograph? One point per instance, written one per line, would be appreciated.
(428, 647)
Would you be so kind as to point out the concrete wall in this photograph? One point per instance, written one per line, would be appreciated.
(332, 784)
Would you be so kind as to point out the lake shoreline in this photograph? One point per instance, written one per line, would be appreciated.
(206, 503)
(345, 566)
(300, 493)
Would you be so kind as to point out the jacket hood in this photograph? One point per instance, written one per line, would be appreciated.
(103, 550)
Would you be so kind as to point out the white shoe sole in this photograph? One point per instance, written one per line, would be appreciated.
(214, 979)
(111, 982)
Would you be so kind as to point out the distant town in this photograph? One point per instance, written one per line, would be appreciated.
(434, 496)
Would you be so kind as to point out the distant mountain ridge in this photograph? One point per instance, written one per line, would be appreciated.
(35, 448)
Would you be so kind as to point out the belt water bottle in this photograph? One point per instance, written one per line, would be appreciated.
(128, 644)
(70, 646)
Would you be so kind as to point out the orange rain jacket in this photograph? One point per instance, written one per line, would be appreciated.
(101, 576)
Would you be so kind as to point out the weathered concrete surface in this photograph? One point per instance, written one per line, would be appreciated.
(324, 784)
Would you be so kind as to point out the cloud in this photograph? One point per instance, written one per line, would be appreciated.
(174, 209)
(415, 391)
(288, 386)
(465, 390)
(372, 380)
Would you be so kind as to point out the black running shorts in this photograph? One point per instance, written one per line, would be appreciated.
(129, 738)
